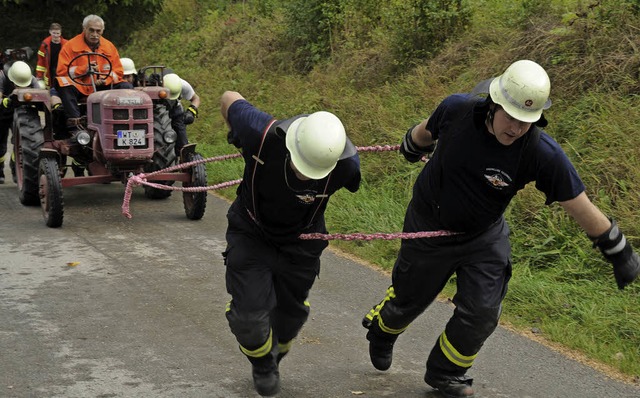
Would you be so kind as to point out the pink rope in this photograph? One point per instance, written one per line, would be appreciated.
(141, 179)
(390, 236)
(378, 148)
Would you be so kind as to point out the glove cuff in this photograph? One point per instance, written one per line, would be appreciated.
(612, 241)
(193, 109)
(411, 147)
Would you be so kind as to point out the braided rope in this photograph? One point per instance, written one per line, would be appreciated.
(141, 179)
(383, 236)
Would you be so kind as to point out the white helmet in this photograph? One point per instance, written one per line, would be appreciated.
(174, 84)
(20, 74)
(316, 143)
(128, 66)
(522, 91)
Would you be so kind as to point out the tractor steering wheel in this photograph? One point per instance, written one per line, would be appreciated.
(93, 74)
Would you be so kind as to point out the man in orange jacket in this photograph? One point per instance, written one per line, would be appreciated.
(87, 74)
(48, 55)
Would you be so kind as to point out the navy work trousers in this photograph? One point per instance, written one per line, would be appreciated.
(269, 285)
(482, 265)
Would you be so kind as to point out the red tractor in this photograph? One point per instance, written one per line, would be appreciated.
(127, 132)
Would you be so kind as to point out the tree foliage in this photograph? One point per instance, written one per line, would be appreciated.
(26, 22)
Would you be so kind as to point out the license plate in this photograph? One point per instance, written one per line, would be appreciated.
(131, 138)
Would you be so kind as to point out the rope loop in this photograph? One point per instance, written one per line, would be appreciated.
(142, 179)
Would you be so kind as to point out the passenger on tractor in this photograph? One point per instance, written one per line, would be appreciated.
(17, 76)
(78, 79)
(48, 61)
(179, 89)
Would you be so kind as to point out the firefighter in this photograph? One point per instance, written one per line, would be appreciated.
(129, 71)
(292, 167)
(18, 76)
(90, 40)
(487, 149)
(48, 55)
(180, 89)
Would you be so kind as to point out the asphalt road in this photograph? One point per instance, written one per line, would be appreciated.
(141, 314)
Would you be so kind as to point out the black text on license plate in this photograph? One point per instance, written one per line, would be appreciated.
(131, 138)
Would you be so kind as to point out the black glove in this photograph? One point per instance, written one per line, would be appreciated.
(190, 115)
(411, 151)
(618, 251)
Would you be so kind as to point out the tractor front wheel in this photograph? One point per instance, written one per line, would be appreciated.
(195, 202)
(50, 191)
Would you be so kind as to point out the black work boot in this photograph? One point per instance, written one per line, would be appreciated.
(381, 350)
(266, 377)
(380, 344)
(450, 386)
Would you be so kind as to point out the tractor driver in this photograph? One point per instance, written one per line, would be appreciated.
(90, 40)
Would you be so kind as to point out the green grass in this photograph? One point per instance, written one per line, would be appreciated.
(561, 286)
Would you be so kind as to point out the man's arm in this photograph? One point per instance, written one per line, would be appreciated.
(587, 215)
(195, 100)
(417, 142)
(606, 235)
(228, 98)
(41, 66)
(421, 136)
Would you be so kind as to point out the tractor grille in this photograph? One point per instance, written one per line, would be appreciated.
(139, 114)
(120, 114)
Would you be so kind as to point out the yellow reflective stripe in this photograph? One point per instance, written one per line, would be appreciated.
(41, 68)
(389, 330)
(306, 303)
(41, 53)
(283, 348)
(2, 160)
(228, 307)
(260, 351)
(453, 355)
(375, 311)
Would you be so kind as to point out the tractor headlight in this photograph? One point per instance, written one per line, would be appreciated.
(83, 138)
(170, 136)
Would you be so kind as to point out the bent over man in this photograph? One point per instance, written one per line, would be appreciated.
(292, 167)
(488, 149)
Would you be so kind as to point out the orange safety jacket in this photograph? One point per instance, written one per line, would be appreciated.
(77, 46)
(44, 59)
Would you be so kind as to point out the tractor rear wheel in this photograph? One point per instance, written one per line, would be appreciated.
(164, 154)
(50, 191)
(195, 202)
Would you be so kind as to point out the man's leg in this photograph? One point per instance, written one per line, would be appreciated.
(4, 136)
(250, 283)
(69, 96)
(481, 286)
(294, 277)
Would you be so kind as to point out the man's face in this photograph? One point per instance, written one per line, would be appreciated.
(129, 78)
(56, 34)
(506, 128)
(93, 32)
